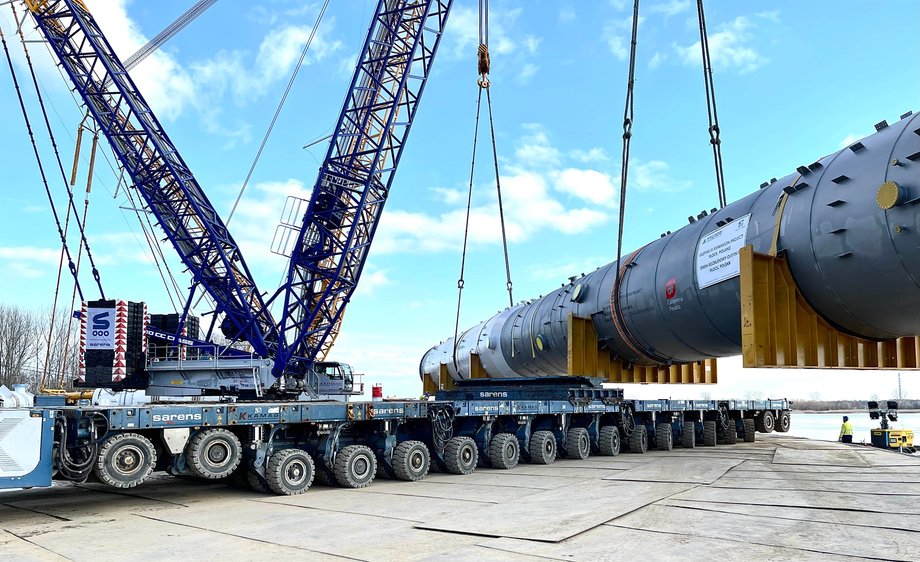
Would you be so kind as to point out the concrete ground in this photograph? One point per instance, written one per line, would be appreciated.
(781, 498)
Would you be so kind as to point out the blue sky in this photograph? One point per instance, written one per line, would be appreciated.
(794, 80)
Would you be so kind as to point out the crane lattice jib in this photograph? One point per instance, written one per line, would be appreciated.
(355, 177)
(160, 175)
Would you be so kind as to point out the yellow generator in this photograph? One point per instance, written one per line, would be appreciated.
(897, 439)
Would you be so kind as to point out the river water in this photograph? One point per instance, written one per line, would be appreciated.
(826, 427)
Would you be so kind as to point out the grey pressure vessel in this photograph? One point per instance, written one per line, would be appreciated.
(850, 229)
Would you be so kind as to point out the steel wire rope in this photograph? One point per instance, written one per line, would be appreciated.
(57, 156)
(119, 171)
(41, 168)
(713, 115)
(628, 116)
(271, 126)
(483, 67)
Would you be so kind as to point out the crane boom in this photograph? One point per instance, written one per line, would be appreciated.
(354, 180)
(157, 169)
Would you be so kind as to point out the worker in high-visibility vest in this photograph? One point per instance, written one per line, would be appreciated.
(846, 431)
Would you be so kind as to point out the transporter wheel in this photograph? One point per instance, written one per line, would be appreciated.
(125, 460)
(638, 440)
(256, 483)
(664, 437)
(749, 430)
(504, 451)
(783, 422)
(765, 422)
(290, 472)
(461, 455)
(577, 443)
(608, 440)
(688, 435)
(542, 447)
(729, 434)
(709, 433)
(411, 461)
(355, 466)
(213, 453)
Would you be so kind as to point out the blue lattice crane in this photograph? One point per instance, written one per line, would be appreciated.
(331, 243)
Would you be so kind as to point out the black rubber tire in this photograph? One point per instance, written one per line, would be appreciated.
(504, 451)
(290, 472)
(766, 422)
(256, 483)
(783, 422)
(461, 455)
(608, 441)
(322, 477)
(577, 443)
(213, 453)
(730, 435)
(749, 430)
(355, 466)
(542, 447)
(125, 460)
(709, 433)
(411, 461)
(688, 435)
(638, 440)
(664, 437)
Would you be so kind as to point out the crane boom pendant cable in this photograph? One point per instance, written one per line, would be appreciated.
(41, 168)
(71, 206)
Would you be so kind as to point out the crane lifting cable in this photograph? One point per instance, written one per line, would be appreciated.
(483, 66)
(714, 130)
(628, 117)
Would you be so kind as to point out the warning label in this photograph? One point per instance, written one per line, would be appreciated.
(717, 253)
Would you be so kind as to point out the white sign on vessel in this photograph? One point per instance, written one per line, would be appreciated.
(717, 253)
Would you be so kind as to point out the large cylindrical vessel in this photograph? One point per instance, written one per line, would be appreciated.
(849, 227)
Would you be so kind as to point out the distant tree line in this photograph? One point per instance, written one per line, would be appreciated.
(25, 349)
(823, 405)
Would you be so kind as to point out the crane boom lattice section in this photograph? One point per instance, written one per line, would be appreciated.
(158, 171)
(355, 178)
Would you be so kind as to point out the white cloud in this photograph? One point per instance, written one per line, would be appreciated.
(589, 156)
(567, 14)
(449, 195)
(848, 140)
(529, 208)
(527, 72)
(671, 8)
(170, 88)
(463, 32)
(656, 60)
(617, 34)
(590, 185)
(535, 150)
(166, 86)
(30, 254)
(730, 48)
(655, 176)
(529, 183)
(371, 281)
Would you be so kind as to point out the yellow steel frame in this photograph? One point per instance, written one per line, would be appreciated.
(780, 329)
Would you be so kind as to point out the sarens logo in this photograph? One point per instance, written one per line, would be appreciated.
(493, 394)
(101, 321)
(176, 417)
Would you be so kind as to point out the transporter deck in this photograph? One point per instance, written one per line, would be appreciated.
(780, 498)
(283, 446)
